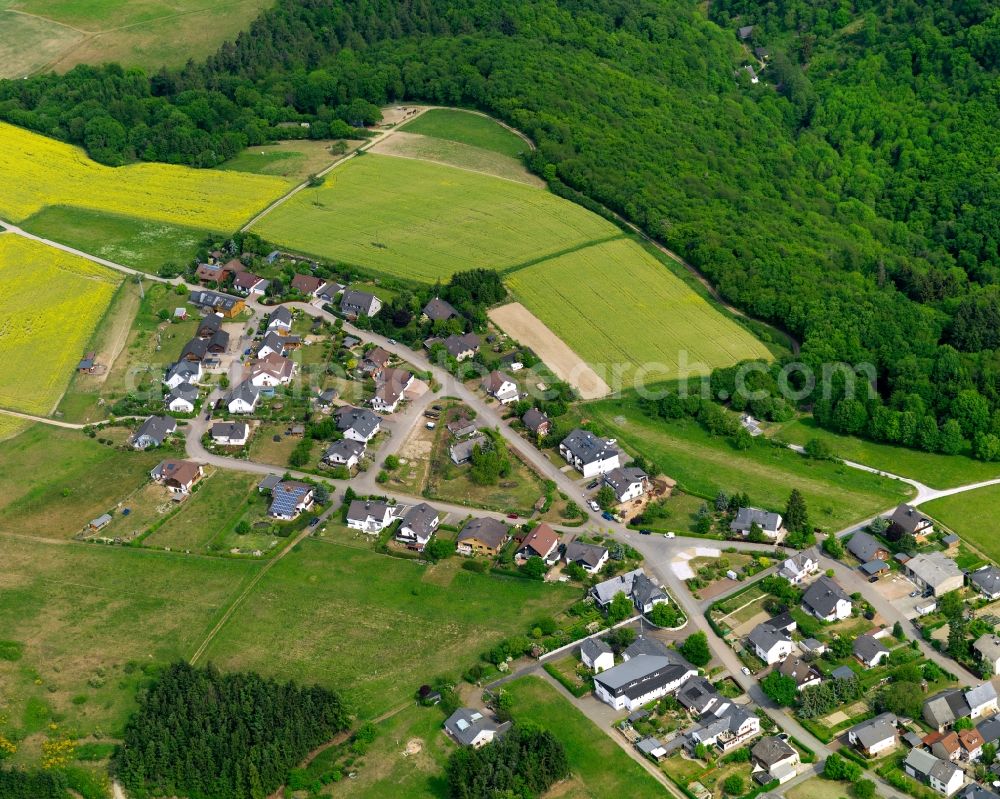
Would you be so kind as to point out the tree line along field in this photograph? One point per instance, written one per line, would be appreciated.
(52, 301)
(58, 34)
(42, 172)
(616, 305)
(421, 221)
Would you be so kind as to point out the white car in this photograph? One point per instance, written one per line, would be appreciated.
(670, 535)
(594, 506)
(746, 671)
(431, 425)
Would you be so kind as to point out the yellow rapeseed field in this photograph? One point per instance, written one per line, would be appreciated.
(50, 305)
(38, 172)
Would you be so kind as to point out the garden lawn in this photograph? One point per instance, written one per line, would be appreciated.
(600, 765)
(422, 221)
(626, 313)
(937, 471)
(51, 304)
(86, 620)
(43, 172)
(973, 516)
(54, 481)
(368, 625)
(466, 127)
(836, 495)
(126, 240)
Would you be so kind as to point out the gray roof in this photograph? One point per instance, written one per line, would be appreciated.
(990, 729)
(214, 299)
(874, 731)
(466, 723)
(921, 761)
(438, 309)
(486, 529)
(280, 314)
(951, 538)
(765, 636)
(196, 347)
(286, 495)
(843, 673)
(771, 750)
(867, 647)
(183, 369)
(865, 547)
(594, 647)
(622, 478)
(811, 644)
(634, 584)
(944, 707)
(533, 419)
(643, 673)
(975, 791)
(648, 745)
(644, 645)
(980, 695)
(269, 482)
(697, 694)
(461, 451)
(421, 518)
(183, 391)
(363, 422)
(934, 568)
(798, 669)
(988, 645)
(589, 554)
(229, 430)
(588, 448)
(361, 509)
(986, 580)
(156, 429)
(246, 391)
(908, 518)
(745, 517)
(874, 567)
(822, 596)
(357, 301)
(456, 345)
(345, 449)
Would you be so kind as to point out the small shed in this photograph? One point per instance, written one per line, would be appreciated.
(101, 522)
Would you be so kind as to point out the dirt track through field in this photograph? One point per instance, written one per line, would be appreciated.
(518, 322)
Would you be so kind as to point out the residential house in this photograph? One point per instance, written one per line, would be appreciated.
(907, 520)
(309, 285)
(462, 348)
(461, 451)
(469, 727)
(773, 758)
(179, 477)
(590, 557)
(230, 434)
(289, 498)
(209, 326)
(183, 372)
(811, 646)
(596, 655)
(195, 350)
(243, 398)
(651, 748)
(589, 454)
(389, 389)
(502, 388)
(867, 548)
(874, 736)
(181, 398)
(989, 729)
(725, 725)
(869, 650)
(644, 645)
(805, 675)
(944, 745)
(745, 32)
(826, 600)
(275, 343)
(357, 424)
(942, 709)
(219, 342)
(875, 568)
(982, 700)
(628, 482)
(542, 542)
(209, 273)
(942, 776)
(976, 791)
(326, 397)
(770, 645)
(355, 303)
(247, 283)
(225, 304)
(369, 516)
(233, 266)
(330, 291)
(483, 536)
(986, 581)
(950, 541)
(462, 427)
(153, 432)
(374, 361)
(344, 452)
(418, 525)
(698, 696)
(537, 422)
(642, 679)
(972, 744)
(642, 591)
(783, 623)
(280, 320)
(100, 522)
(770, 523)
(438, 310)
(270, 371)
(987, 647)
(935, 572)
(798, 568)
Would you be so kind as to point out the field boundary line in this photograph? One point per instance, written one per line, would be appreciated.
(583, 245)
(455, 166)
(49, 20)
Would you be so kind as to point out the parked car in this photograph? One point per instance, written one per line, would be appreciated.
(594, 506)
(914, 594)
(392, 341)
(645, 532)
(314, 521)
(431, 425)
(609, 516)
(746, 671)
(592, 484)
(511, 515)
(670, 535)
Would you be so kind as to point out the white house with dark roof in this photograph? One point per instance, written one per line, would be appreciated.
(768, 521)
(589, 557)
(463, 347)
(628, 482)
(280, 319)
(345, 452)
(826, 600)
(944, 777)
(289, 498)
(907, 520)
(642, 591)
(182, 398)
(153, 432)
(501, 387)
(183, 372)
(725, 725)
(355, 303)
(589, 454)
(642, 679)
(870, 651)
(230, 434)
(986, 581)
(243, 398)
(874, 736)
(799, 567)
(774, 758)
(417, 526)
(803, 673)
(438, 310)
(370, 516)
(596, 655)
(987, 647)
(469, 727)
(357, 423)
(770, 645)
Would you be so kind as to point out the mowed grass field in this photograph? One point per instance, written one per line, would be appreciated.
(466, 127)
(287, 159)
(50, 305)
(703, 465)
(973, 516)
(42, 172)
(423, 221)
(372, 625)
(54, 481)
(58, 34)
(624, 312)
(598, 765)
(79, 615)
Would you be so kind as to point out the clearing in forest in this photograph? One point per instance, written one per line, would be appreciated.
(467, 127)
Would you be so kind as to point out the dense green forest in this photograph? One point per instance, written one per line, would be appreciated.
(206, 735)
(851, 197)
(16, 784)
